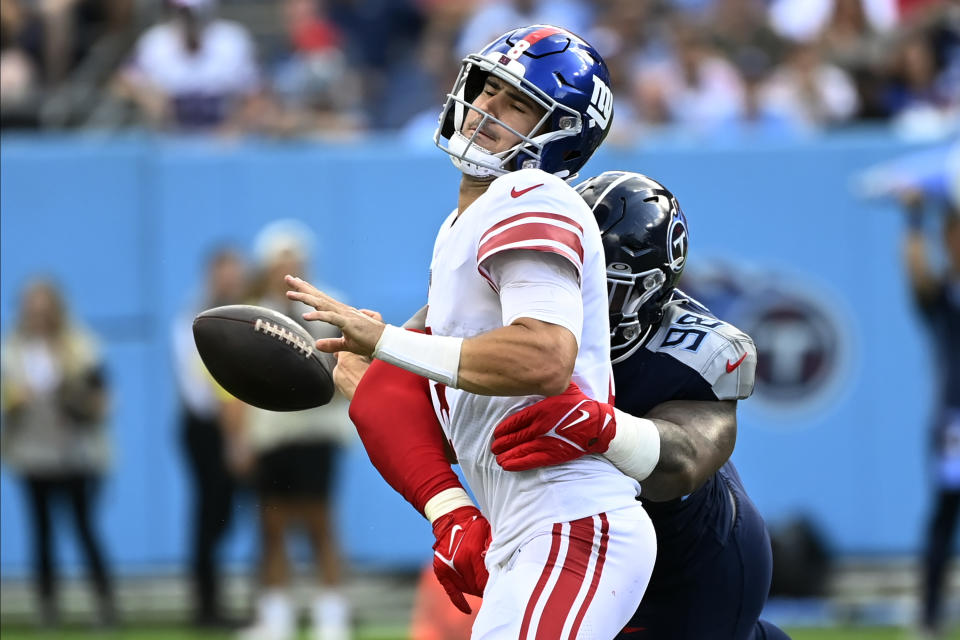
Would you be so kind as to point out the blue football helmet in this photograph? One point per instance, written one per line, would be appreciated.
(645, 243)
(558, 71)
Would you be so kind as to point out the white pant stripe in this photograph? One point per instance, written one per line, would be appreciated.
(551, 582)
(587, 580)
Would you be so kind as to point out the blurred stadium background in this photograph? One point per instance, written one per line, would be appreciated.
(784, 127)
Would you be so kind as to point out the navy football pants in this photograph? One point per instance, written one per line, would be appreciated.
(721, 596)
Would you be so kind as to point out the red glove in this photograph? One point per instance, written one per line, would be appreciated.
(463, 536)
(555, 430)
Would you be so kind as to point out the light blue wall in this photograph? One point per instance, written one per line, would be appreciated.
(124, 224)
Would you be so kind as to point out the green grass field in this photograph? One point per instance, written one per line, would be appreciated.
(379, 633)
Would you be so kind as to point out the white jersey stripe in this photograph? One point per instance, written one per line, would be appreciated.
(557, 247)
(530, 220)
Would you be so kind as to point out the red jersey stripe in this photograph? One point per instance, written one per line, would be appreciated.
(534, 233)
(559, 606)
(597, 570)
(542, 582)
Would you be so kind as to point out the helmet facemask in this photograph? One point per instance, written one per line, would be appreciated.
(558, 121)
(631, 299)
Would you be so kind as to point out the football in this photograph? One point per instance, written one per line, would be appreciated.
(264, 358)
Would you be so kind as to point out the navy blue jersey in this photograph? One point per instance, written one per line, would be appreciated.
(691, 356)
(713, 565)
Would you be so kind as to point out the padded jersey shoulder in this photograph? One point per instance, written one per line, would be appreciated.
(721, 354)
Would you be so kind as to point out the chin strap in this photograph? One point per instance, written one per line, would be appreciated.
(471, 158)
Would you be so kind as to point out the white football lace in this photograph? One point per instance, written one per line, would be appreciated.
(289, 337)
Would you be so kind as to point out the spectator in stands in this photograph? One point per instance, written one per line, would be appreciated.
(71, 28)
(54, 408)
(427, 80)
(806, 20)
(55, 55)
(296, 456)
(916, 95)
(59, 34)
(634, 34)
(316, 90)
(208, 421)
(379, 38)
(809, 92)
(761, 116)
(193, 72)
(735, 25)
(937, 297)
(493, 18)
(696, 87)
(19, 78)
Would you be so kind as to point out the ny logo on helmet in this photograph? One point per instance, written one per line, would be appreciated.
(601, 104)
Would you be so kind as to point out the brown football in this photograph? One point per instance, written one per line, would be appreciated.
(264, 358)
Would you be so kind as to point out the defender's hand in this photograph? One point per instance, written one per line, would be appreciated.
(348, 372)
(463, 536)
(555, 430)
(360, 330)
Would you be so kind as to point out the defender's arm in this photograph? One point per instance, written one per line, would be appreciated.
(696, 439)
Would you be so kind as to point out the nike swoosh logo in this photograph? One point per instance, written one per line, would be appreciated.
(453, 538)
(584, 414)
(733, 365)
(516, 194)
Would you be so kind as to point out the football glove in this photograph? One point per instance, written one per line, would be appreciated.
(463, 536)
(555, 430)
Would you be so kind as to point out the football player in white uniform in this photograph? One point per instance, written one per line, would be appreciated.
(517, 309)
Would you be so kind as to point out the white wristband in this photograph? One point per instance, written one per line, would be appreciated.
(445, 502)
(434, 357)
(635, 450)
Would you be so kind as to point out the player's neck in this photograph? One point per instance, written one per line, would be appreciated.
(470, 189)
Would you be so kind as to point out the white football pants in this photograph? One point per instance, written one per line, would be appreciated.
(581, 579)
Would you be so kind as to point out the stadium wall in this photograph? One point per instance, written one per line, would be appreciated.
(780, 245)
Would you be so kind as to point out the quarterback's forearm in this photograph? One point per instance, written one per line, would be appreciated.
(696, 439)
(528, 357)
(351, 367)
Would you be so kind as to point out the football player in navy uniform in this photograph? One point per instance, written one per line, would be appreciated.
(683, 369)
(937, 297)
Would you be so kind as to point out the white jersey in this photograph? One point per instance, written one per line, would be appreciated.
(530, 210)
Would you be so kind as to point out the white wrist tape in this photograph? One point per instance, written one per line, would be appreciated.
(434, 357)
(445, 502)
(635, 449)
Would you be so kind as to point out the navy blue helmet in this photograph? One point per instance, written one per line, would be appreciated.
(645, 243)
(558, 71)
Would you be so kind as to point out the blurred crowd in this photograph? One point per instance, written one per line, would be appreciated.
(56, 438)
(346, 68)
